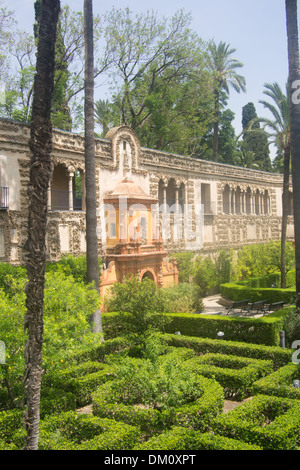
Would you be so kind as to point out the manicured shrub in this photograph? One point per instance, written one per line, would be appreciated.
(265, 287)
(156, 396)
(73, 431)
(264, 330)
(235, 374)
(77, 382)
(280, 382)
(188, 439)
(270, 422)
(279, 356)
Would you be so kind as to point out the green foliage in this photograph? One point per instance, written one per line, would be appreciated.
(280, 383)
(68, 307)
(255, 289)
(235, 374)
(73, 431)
(291, 326)
(71, 265)
(279, 356)
(209, 273)
(140, 306)
(183, 297)
(184, 265)
(270, 422)
(158, 394)
(188, 439)
(258, 260)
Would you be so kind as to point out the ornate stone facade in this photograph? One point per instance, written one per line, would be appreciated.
(202, 206)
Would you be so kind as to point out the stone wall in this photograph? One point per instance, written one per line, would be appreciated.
(228, 206)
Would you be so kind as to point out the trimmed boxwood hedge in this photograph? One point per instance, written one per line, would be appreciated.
(73, 431)
(280, 383)
(278, 355)
(264, 330)
(270, 422)
(188, 439)
(257, 289)
(235, 374)
(197, 414)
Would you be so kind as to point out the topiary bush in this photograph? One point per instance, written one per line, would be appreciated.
(280, 382)
(279, 356)
(188, 439)
(235, 374)
(74, 431)
(158, 395)
(270, 422)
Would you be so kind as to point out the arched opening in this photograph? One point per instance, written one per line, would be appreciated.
(171, 194)
(60, 188)
(148, 275)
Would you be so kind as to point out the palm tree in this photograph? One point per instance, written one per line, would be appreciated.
(223, 68)
(294, 77)
(103, 115)
(93, 275)
(280, 126)
(35, 246)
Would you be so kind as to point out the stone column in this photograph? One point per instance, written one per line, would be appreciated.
(71, 175)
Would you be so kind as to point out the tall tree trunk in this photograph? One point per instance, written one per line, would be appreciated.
(285, 208)
(294, 75)
(35, 247)
(93, 275)
(216, 124)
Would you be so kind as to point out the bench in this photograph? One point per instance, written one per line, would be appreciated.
(241, 304)
(255, 307)
(273, 307)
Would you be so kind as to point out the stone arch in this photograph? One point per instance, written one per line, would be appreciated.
(148, 273)
(125, 148)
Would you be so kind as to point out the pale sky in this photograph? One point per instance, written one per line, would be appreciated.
(257, 31)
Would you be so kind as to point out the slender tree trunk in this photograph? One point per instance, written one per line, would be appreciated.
(294, 76)
(93, 275)
(216, 125)
(285, 208)
(35, 247)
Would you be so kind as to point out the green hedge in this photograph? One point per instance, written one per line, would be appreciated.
(188, 439)
(235, 374)
(280, 383)
(279, 356)
(73, 431)
(270, 422)
(72, 387)
(264, 330)
(259, 288)
(197, 414)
